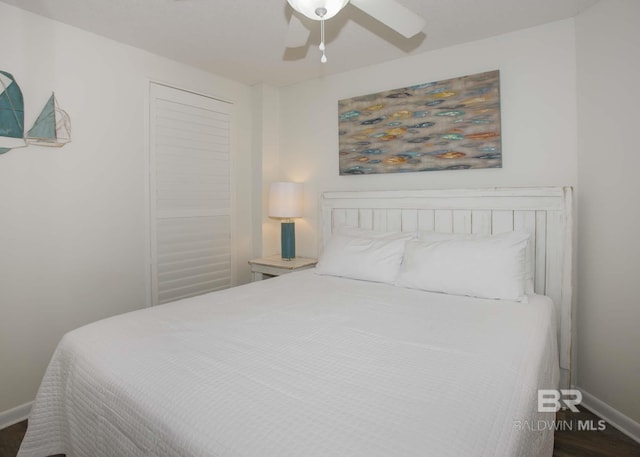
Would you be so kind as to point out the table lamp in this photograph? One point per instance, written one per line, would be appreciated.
(285, 202)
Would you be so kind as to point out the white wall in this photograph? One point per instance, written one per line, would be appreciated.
(266, 166)
(538, 95)
(72, 220)
(608, 312)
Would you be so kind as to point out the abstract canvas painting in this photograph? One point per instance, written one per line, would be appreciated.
(452, 124)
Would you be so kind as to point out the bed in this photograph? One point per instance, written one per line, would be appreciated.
(311, 364)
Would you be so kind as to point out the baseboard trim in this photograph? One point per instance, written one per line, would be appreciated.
(15, 415)
(623, 423)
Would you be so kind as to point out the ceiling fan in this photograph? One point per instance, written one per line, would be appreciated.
(389, 12)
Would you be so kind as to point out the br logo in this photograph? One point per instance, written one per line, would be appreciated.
(552, 400)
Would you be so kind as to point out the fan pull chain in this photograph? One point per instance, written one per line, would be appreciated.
(323, 59)
(321, 13)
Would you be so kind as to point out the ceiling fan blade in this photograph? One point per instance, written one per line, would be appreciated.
(393, 15)
(297, 33)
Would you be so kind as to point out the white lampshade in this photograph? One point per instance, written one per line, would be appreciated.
(309, 7)
(285, 200)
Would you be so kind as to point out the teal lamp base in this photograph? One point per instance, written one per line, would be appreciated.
(288, 240)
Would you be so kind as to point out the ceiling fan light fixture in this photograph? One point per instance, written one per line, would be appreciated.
(309, 7)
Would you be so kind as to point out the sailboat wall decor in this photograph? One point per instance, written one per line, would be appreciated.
(52, 127)
(11, 114)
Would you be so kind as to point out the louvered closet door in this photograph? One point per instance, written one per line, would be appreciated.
(190, 210)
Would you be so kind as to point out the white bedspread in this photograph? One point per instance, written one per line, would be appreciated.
(302, 365)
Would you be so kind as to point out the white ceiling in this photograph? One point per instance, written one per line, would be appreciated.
(244, 39)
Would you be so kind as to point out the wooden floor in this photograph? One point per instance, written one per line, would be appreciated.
(568, 443)
(10, 439)
(597, 443)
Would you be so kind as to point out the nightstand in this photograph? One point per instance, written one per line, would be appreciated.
(275, 266)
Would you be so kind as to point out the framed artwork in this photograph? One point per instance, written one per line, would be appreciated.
(453, 124)
(52, 127)
(11, 114)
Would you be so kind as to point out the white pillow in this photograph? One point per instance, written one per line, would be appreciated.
(361, 257)
(440, 236)
(487, 267)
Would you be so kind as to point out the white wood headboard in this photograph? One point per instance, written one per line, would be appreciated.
(544, 212)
